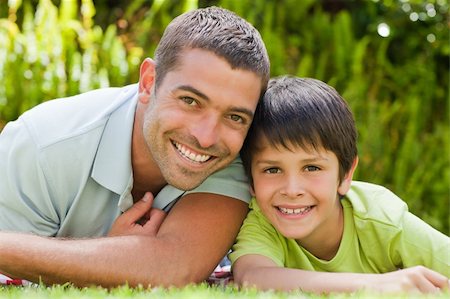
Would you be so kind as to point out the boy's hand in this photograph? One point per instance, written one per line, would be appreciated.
(417, 279)
(140, 219)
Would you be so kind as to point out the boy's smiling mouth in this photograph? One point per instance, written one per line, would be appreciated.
(296, 211)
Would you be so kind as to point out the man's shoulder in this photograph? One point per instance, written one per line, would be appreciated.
(61, 119)
(230, 181)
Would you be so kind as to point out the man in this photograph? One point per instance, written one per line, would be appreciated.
(69, 167)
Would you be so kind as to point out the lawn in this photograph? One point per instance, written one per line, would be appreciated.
(194, 292)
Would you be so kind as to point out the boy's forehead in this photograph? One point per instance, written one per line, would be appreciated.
(289, 145)
(274, 151)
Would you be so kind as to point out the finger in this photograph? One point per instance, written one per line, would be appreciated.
(139, 209)
(156, 211)
(426, 286)
(157, 217)
(436, 279)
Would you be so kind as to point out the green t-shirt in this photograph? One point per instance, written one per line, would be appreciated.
(380, 235)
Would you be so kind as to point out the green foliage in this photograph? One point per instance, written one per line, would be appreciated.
(55, 52)
(396, 85)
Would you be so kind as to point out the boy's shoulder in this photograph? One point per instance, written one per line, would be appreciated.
(375, 203)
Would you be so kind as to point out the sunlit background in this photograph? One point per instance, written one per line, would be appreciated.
(389, 59)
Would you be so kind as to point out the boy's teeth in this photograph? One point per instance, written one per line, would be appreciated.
(191, 156)
(294, 211)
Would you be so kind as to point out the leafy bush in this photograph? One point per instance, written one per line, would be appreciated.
(55, 52)
(397, 85)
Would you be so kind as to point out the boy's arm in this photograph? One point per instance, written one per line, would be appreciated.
(192, 239)
(263, 273)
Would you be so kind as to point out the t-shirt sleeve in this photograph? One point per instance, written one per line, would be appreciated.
(421, 244)
(25, 203)
(230, 181)
(393, 237)
(258, 236)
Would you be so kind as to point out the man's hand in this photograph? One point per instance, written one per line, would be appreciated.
(140, 219)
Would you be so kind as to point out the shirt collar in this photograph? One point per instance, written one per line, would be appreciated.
(112, 165)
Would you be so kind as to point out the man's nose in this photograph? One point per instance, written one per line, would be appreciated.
(206, 130)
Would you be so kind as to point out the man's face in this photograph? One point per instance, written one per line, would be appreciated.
(197, 119)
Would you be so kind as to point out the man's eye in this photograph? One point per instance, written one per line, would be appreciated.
(236, 118)
(188, 100)
(312, 168)
(272, 170)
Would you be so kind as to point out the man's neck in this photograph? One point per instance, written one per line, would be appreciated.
(146, 174)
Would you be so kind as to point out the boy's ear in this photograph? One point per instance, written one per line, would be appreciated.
(146, 79)
(347, 181)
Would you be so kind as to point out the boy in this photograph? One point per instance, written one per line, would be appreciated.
(308, 215)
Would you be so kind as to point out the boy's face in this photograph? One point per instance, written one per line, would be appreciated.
(298, 191)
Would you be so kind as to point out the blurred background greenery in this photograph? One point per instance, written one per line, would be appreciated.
(389, 59)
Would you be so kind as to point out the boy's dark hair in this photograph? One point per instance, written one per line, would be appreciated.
(217, 30)
(303, 112)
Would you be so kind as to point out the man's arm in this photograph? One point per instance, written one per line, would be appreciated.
(261, 272)
(193, 238)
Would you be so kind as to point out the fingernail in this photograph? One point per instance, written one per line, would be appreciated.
(146, 197)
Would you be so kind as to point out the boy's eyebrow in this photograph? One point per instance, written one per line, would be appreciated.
(318, 158)
(308, 160)
(200, 94)
(265, 161)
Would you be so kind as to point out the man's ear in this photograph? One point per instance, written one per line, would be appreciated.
(146, 79)
(347, 180)
(252, 191)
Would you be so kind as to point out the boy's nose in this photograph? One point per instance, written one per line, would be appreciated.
(293, 187)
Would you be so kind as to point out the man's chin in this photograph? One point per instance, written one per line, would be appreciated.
(186, 183)
(188, 180)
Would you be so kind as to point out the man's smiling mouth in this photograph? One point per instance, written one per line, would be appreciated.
(188, 154)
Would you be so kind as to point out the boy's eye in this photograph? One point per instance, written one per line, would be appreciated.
(272, 170)
(312, 168)
(190, 101)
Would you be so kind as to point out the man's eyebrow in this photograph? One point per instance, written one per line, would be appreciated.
(200, 94)
(193, 90)
(245, 111)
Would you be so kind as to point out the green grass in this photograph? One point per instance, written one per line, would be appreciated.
(194, 292)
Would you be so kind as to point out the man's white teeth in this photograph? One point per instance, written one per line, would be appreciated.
(294, 211)
(191, 156)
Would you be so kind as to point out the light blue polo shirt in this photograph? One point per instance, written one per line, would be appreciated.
(65, 166)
